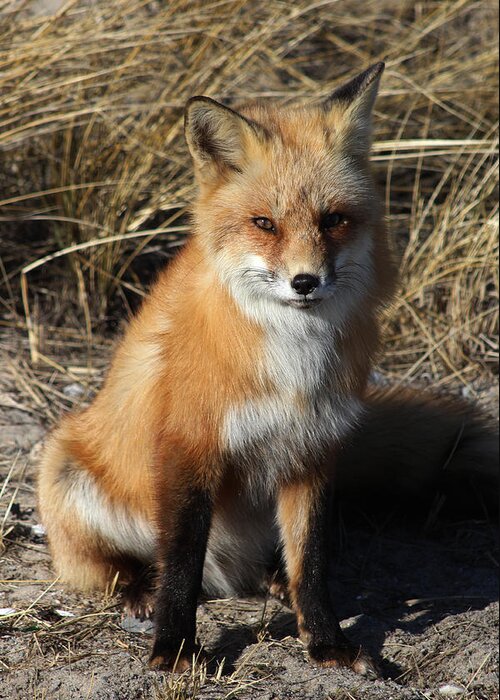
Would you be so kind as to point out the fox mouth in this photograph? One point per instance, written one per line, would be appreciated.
(303, 303)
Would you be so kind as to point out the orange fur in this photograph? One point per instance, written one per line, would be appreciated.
(232, 381)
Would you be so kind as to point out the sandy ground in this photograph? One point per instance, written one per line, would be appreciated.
(423, 603)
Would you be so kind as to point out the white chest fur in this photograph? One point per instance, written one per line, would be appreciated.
(277, 435)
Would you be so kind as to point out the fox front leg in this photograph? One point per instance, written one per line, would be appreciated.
(303, 519)
(184, 527)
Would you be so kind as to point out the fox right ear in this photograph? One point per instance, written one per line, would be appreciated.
(349, 107)
(218, 136)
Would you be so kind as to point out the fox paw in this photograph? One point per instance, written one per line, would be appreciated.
(141, 607)
(139, 596)
(279, 590)
(350, 657)
(173, 662)
(175, 659)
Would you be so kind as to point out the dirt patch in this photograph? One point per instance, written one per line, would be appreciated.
(423, 603)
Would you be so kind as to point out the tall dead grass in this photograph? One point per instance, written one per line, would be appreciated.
(95, 179)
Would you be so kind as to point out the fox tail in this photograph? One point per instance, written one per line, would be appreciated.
(413, 448)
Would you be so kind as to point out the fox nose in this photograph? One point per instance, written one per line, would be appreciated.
(305, 284)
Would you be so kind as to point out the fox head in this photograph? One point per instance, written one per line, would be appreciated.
(287, 208)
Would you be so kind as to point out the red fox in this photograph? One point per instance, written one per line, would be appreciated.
(211, 447)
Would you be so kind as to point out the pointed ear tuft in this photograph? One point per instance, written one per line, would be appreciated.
(350, 106)
(217, 135)
(355, 88)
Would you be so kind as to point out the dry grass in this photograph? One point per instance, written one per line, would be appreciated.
(95, 182)
(96, 179)
(6, 501)
(187, 685)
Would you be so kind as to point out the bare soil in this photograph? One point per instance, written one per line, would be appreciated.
(422, 600)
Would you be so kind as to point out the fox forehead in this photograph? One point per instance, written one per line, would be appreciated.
(303, 163)
(309, 126)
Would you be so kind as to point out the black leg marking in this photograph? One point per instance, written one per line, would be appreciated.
(326, 642)
(180, 583)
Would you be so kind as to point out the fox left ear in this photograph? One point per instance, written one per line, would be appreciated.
(219, 138)
(349, 108)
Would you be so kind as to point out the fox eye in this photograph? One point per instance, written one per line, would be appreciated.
(332, 220)
(263, 223)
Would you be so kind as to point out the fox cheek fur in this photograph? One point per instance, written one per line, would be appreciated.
(211, 444)
(295, 169)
